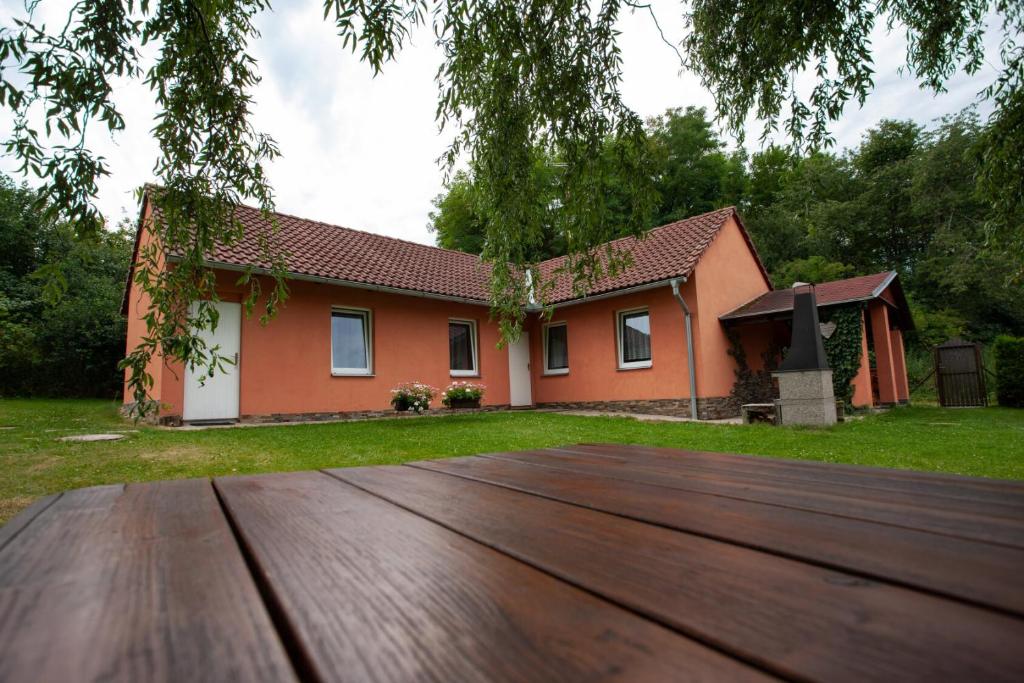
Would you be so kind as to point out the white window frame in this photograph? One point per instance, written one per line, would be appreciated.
(367, 315)
(619, 322)
(474, 357)
(544, 331)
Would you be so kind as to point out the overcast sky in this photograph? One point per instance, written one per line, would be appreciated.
(361, 152)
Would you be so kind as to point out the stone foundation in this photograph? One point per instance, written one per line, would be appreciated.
(713, 408)
(340, 416)
(343, 416)
(152, 418)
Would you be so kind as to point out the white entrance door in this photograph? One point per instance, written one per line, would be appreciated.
(216, 398)
(520, 392)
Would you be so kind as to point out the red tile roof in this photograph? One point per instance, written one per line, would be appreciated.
(319, 250)
(315, 249)
(863, 288)
(666, 252)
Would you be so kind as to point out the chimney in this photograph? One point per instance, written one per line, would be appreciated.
(805, 380)
(806, 350)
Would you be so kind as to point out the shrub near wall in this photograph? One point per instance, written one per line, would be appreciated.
(1009, 357)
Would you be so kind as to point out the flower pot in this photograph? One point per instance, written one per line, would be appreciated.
(462, 403)
(404, 407)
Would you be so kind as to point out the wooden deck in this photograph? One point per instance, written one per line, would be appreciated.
(585, 563)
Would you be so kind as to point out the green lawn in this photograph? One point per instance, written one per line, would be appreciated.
(983, 442)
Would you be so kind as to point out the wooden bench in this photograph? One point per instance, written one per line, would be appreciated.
(758, 412)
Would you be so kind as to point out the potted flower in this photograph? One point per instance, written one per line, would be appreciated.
(463, 395)
(412, 397)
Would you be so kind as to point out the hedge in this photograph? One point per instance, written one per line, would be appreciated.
(1009, 357)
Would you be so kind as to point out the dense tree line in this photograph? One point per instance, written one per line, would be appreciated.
(904, 199)
(61, 328)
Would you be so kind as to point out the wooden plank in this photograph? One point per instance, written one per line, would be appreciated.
(978, 572)
(19, 522)
(945, 486)
(796, 619)
(999, 530)
(1009, 504)
(374, 592)
(136, 583)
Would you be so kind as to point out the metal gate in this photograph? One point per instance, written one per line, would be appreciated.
(959, 374)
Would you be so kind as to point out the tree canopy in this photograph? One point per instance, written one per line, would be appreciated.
(66, 342)
(516, 76)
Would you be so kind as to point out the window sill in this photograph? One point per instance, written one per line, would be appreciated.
(556, 373)
(338, 373)
(463, 373)
(637, 366)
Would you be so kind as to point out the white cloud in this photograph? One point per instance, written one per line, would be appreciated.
(361, 151)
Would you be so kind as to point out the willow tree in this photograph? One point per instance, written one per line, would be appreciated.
(514, 75)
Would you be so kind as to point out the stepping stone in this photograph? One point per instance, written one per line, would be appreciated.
(92, 437)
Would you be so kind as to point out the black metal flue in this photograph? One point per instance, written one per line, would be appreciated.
(806, 351)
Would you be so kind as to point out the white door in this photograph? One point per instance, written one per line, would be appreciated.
(216, 398)
(520, 393)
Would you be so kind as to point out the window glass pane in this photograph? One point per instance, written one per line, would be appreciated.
(460, 350)
(636, 337)
(558, 348)
(348, 340)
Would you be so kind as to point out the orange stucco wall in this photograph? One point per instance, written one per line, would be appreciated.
(138, 306)
(594, 374)
(862, 381)
(726, 277)
(882, 345)
(285, 366)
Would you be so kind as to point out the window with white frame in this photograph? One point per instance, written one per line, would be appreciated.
(634, 337)
(462, 348)
(556, 349)
(351, 341)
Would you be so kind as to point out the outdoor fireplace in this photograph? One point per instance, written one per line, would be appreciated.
(805, 379)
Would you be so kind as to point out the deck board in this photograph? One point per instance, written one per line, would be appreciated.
(143, 582)
(795, 619)
(387, 595)
(963, 569)
(967, 494)
(588, 562)
(977, 527)
(956, 485)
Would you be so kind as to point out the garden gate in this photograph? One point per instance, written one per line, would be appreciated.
(960, 374)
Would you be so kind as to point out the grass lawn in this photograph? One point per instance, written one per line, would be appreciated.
(983, 442)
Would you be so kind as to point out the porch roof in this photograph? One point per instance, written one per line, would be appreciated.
(778, 304)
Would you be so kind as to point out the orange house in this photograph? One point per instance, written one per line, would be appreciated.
(367, 312)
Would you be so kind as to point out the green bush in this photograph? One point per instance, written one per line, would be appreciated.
(1009, 357)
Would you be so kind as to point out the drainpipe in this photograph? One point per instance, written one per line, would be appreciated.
(689, 346)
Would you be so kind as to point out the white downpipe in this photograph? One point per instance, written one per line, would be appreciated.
(689, 346)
